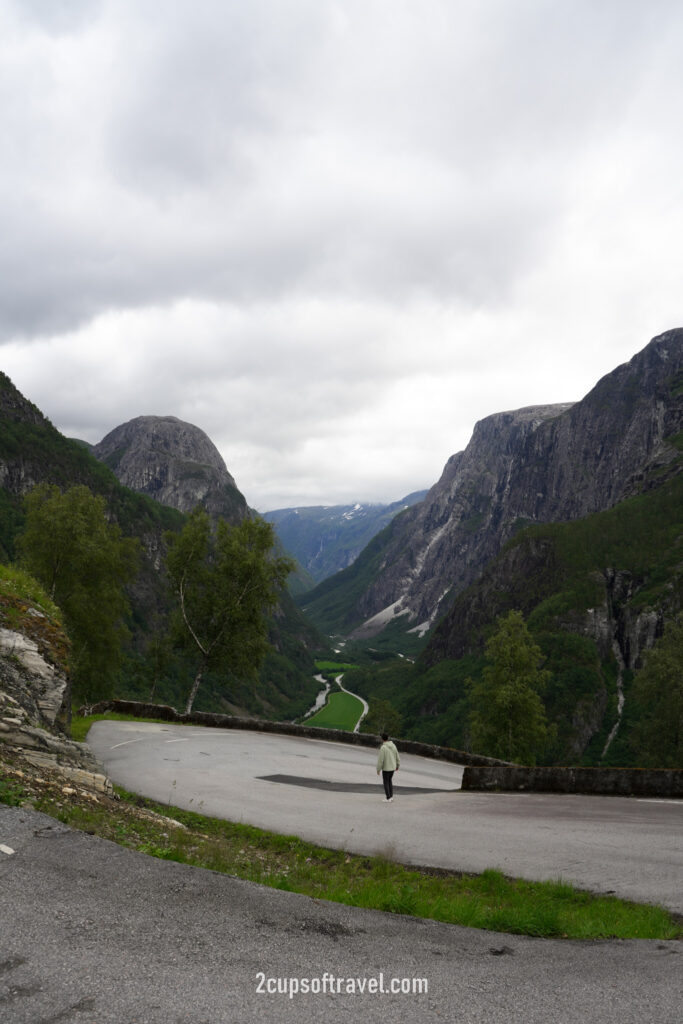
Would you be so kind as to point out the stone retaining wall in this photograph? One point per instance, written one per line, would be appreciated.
(481, 773)
(362, 739)
(599, 781)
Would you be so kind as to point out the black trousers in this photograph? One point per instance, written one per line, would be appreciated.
(387, 779)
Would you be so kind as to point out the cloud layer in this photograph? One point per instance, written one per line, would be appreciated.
(333, 234)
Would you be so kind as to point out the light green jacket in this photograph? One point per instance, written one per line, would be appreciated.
(388, 759)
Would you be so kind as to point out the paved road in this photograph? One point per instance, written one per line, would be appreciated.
(329, 793)
(92, 933)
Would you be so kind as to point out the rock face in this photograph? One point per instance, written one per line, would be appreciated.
(31, 682)
(534, 465)
(35, 695)
(173, 462)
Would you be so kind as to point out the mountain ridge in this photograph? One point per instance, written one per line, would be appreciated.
(534, 465)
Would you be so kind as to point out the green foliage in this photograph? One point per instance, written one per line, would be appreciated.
(508, 718)
(382, 717)
(11, 793)
(433, 704)
(224, 583)
(437, 705)
(49, 455)
(84, 563)
(19, 584)
(577, 681)
(658, 691)
(11, 520)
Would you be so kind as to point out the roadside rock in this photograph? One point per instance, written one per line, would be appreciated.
(35, 696)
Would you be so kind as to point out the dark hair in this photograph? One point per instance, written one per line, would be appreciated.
(385, 736)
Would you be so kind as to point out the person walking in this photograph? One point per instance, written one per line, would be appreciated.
(388, 762)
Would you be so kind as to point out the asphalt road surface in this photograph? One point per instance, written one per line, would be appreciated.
(329, 793)
(92, 933)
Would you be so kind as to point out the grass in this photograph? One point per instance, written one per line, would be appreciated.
(11, 793)
(342, 711)
(333, 666)
(19, 584)
(490, 900)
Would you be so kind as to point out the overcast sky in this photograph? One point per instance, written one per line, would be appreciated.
(334, 234)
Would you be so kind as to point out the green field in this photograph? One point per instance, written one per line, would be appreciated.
(342, 711)
(333, 666)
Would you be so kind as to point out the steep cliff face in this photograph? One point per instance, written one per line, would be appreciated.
(444, 542)
(596, 593)
(535, 465)
(173, 462)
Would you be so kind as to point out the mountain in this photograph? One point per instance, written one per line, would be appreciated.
(32, 451)
(173, 462)
(596, 593)
(537, 465)
(325, 539)
(178, 465)
(580, 527)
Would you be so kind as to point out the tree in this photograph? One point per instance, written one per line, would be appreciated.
(508, 719)
(657, 690)
(84, 563)
(382, 717)
(224, 583)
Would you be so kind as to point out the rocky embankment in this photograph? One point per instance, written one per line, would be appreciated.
(35, 694)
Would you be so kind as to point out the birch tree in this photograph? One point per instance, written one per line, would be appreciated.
(225, 582)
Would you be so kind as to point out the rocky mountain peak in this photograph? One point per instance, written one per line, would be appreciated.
(173, 462)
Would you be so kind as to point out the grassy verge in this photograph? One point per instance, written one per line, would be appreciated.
(490, 900)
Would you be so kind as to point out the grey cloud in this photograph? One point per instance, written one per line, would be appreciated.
(58, 17)
(290, 221)
(239, 151)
